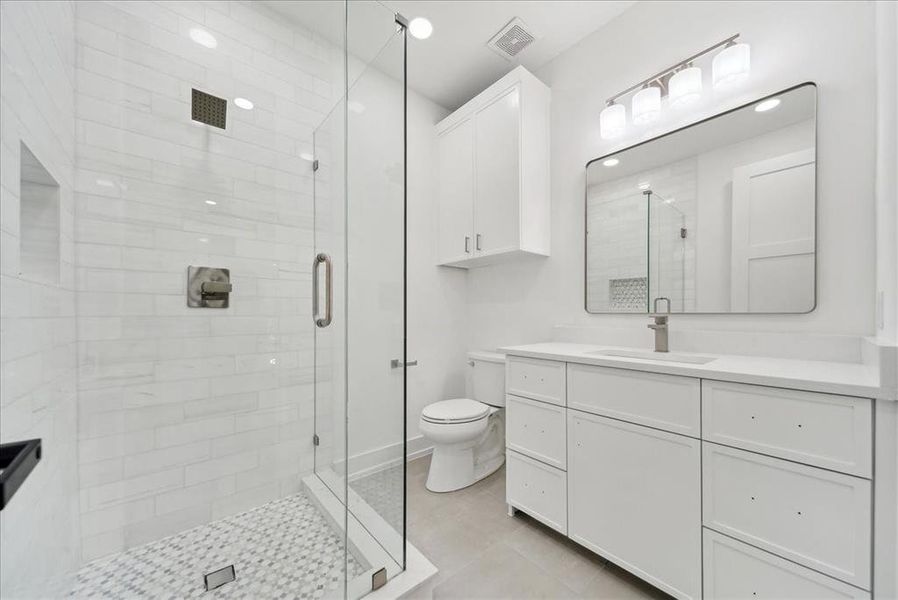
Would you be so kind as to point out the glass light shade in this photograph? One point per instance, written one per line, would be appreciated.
(685, 87)
(612, 121)
(646, 105)
(731, 66)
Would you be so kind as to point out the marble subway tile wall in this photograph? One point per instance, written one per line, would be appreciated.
(188, 415)
(39, 526)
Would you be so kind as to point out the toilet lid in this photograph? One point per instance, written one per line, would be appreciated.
(457, 410)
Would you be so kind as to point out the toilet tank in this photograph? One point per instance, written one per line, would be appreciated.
(486, 377)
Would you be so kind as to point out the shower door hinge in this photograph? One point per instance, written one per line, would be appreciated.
(401, 21)
(683, 232)
(316, 441)
(315, 165)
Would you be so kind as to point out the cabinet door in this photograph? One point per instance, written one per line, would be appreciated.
(456, 159)
(497, 196)
(633, 497)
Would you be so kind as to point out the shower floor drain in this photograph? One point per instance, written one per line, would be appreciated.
(218, 578)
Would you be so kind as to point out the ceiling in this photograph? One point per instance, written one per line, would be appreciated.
(454, 64)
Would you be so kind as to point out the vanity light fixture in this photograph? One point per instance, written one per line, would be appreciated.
(681, 83)
(768, 104)
(203, 37)
(646, 105)
(612, 121)
(611, 162)
(732, 65)
(244, 103)
(685, 87)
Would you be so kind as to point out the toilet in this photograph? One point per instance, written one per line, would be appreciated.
(468, 434)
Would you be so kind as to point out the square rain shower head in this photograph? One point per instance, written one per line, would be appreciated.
(209, 109)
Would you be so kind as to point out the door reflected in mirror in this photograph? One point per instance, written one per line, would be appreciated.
(717, 217)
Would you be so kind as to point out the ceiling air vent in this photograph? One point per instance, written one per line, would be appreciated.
(511, 39)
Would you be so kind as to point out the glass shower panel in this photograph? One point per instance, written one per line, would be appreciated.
(667, 234)
(376, 301)
(358, 280)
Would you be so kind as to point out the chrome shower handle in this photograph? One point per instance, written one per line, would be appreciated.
(321, 257)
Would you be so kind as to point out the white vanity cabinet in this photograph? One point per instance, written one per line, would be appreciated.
(634, 497)
(703, 488)
(493, 155)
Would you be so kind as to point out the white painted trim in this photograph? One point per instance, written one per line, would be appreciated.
(378, 459)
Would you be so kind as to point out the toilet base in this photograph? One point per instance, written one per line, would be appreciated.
(452, 470)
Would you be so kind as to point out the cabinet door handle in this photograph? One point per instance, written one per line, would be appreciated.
(478, 241)
(467, 244)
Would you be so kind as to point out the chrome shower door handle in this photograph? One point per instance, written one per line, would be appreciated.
(321, 257)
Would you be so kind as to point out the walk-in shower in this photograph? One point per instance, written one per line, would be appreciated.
(212, 350)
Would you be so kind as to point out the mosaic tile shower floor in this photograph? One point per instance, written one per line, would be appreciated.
(283, 549)
(383, 492)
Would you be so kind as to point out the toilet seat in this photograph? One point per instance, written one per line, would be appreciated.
(456, 410)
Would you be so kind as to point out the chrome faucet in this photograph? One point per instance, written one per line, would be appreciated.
(660, 325)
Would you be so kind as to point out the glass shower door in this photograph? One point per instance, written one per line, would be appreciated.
(358, 263)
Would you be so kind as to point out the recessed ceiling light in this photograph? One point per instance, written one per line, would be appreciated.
(611, 162)
(420, 28)
(244, 103)
(211, 202)
(203, 37)
(767, 105)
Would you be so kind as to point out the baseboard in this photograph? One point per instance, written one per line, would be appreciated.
(372, 461)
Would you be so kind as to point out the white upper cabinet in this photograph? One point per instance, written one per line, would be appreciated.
(456, 169)
(494, 174)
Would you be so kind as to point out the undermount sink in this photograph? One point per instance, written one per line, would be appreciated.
(659, 356)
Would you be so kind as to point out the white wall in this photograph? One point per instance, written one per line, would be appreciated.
(187, 414)
(887, 170)
(791, 42)
(39, 527)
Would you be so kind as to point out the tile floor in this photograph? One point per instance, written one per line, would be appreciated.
(283, 549)
(483, 553)
(382, 491)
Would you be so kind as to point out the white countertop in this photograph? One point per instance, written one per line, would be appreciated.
(850, 379)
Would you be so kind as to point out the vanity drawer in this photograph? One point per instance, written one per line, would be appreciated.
(535, 378)
(667, 402)
(833, 432)
(814, 517)
(536, 429)
(537, 489)
(733, 570)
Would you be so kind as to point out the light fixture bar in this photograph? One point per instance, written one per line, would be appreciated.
(658, 77)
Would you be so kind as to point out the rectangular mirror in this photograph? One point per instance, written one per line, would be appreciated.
(717, 217)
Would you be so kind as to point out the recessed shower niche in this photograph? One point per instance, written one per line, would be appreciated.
(38, 220)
